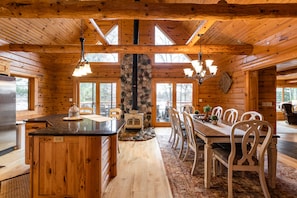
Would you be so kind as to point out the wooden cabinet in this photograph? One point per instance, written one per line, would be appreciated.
(31, 126)
(72, 166)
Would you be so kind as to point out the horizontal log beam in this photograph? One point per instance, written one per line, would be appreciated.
(138, 49)
(144, 11)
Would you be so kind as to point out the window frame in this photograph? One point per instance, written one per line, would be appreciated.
(32, 95)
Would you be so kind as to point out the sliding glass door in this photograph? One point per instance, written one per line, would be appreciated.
(107, 97)
(101, 95)
(163, 101)
(171, 93)
(87, 95)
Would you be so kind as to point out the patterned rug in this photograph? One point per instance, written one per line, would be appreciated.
(137, 135)
(183, 185)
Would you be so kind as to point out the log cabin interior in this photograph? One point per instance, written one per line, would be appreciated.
(251, 42)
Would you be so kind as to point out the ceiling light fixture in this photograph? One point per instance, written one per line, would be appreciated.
(83, 66)
(200, 74)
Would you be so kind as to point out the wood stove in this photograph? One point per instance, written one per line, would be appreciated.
(133, 120)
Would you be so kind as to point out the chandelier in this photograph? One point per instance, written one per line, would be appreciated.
(201, 71)
(83, 66)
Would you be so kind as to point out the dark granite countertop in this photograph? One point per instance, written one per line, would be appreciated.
(59, 127)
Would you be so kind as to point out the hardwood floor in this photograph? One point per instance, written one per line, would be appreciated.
(14, 164)
(141, 171)
(287, 143)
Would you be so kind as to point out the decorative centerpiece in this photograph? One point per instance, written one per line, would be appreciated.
(73, 111)
(206, 110)
(214, 119)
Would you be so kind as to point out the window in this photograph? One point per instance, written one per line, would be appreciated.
(286, 94)
(112, 38)
(162, 39)
(22, 93)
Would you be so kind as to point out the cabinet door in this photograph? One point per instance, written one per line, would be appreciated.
(31, 126)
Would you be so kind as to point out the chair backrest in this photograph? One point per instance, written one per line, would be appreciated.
(115, 113)
(176, 122)
(171, 117)
(189, 126)
(287, 108)
(251, 115)
(252, 150)
(189, 109)
(230, 115)
(217, 111)
(85, 110)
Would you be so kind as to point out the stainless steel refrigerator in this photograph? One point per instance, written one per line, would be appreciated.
(7, 114)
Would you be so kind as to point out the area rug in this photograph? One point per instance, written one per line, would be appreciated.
(137, 135)
(16, 187)
(183, 185)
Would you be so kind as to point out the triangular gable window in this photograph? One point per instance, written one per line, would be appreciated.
(162, 39)
(112, 38)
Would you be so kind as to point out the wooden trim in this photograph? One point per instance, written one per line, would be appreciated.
(251, 89)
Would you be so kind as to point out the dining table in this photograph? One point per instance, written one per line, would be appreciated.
(220, 133)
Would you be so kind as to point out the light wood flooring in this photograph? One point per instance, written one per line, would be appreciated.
(141, 171)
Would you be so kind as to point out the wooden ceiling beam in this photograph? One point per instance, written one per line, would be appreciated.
(93, 26)
(144, 11)
(206, 25)
(139, 49)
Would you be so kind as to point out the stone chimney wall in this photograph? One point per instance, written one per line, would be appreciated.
(144, 78)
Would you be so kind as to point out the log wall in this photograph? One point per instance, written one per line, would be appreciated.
(55, 83)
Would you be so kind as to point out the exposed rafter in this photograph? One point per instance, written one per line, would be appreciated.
(200, 30)
(93, 26)
(207, 49)
(144, 11)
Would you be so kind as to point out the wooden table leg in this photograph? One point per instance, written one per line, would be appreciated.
(272, 161)
(207, 164)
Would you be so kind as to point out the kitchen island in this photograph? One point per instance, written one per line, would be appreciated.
(73, 158)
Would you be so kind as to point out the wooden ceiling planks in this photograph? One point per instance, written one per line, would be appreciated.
(40, 31)
(178, 31)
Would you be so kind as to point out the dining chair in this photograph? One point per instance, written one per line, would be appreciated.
(246, 158)
(189, 109)
(173, 133)
(251, 115)
(217, 111)
(230, 115)
(192, 142)
(85, 110)
(181, 136)
(115, 113)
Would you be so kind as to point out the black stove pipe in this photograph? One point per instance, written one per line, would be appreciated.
(134, 69)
